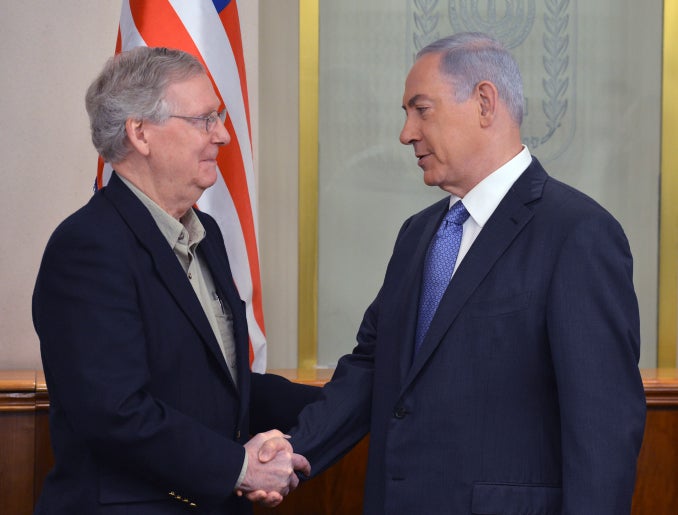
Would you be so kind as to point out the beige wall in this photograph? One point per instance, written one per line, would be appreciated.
(278, 157)
(49, 53)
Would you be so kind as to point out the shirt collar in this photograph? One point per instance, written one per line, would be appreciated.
(484, 198)
(171, 228)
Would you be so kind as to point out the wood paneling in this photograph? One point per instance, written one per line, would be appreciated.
(26, 456)
(339, 490)
(656, 490)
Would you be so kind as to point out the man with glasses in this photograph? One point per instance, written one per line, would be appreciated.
(143, 336)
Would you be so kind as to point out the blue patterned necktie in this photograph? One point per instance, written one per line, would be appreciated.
(438, 267)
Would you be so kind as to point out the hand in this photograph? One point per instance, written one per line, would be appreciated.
(267, 452)
(271, 468)
(270, 448)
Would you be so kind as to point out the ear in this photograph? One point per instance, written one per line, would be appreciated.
(488, 98)
(136, 135)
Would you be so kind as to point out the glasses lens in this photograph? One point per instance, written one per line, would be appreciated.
(210, 121)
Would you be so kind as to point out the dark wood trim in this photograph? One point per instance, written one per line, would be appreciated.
(26, 455)
(661, 386)
(22, 467)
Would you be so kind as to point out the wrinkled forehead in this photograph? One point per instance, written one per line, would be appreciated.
(195, 93)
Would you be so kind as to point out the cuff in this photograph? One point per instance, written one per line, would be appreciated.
(243, 471)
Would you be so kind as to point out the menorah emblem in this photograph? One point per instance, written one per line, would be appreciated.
(510, 21)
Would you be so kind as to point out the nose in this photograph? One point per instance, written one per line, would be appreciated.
(408, 134)
(220, 135)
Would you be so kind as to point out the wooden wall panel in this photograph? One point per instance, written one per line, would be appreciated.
(337, 490)
(656, 490)
(657, 482)
(17, 456)
(44, 459)
(26, 456)
(18, 402)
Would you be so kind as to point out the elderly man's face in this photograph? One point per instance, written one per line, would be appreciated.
(444, 133)
(182, 154)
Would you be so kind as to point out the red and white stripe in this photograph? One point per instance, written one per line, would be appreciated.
(214, 38)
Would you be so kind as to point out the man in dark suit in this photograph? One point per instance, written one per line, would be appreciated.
(143, 334)
(520, 393)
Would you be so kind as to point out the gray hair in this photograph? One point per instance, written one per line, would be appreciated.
(132, 85)
(469, 58)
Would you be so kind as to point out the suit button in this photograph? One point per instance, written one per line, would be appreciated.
(399, 412)
(237, 434)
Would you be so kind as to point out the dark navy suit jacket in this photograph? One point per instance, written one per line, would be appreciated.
(144, 415)
(525, 397)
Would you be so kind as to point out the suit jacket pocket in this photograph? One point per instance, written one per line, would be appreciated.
(495, 323)
(504, 306)
(516, 499)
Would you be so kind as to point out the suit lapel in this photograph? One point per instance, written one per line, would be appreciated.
(507, 221)
(140, 221)
(222, 277)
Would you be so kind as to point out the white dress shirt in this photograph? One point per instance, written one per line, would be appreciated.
(484, 198)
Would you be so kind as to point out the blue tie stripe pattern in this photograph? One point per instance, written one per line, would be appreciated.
(438, 267)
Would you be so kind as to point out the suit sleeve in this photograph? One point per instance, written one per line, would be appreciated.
(329, 428)
(93, 342)
(593, 327)
(275, 402)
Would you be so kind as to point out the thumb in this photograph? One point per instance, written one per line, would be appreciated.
(301, 464)
(270, 448)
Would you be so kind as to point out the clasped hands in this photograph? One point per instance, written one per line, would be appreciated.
(271, 468)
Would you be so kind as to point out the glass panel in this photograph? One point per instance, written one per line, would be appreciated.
(592, 89)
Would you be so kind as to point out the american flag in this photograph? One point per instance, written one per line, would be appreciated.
(210, 30)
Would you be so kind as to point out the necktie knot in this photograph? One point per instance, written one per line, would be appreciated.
(457, 214)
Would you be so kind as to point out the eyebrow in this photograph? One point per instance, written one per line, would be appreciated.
(416, 98)
(214, 110)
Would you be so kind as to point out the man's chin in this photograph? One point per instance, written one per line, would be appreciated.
(208, 176)
(430, 179)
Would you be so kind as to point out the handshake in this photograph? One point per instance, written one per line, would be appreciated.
(271, 469)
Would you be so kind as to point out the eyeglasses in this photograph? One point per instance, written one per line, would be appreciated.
(210, 120)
